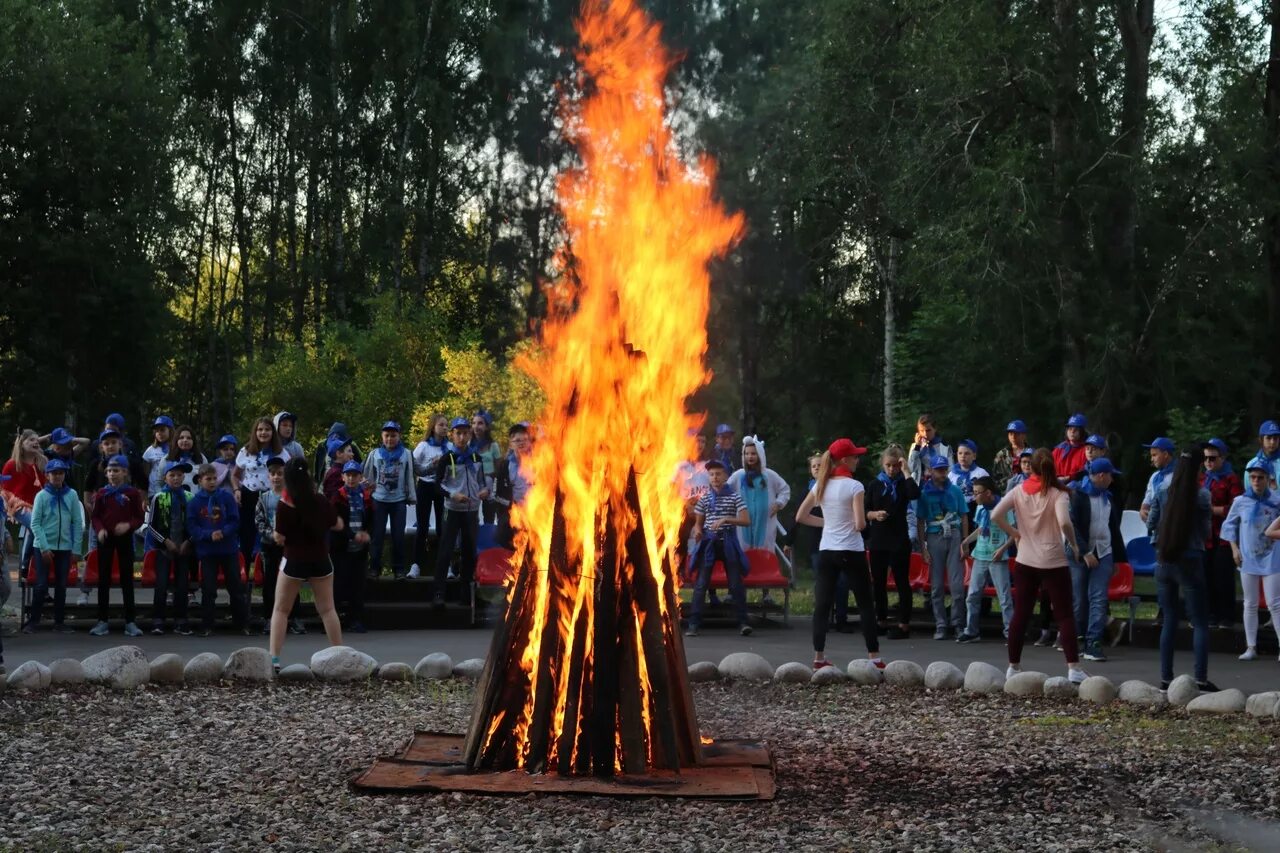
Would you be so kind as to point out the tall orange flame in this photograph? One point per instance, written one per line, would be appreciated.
(622, 350)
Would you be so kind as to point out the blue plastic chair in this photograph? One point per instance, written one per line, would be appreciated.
(1142, 557)
(487, 537)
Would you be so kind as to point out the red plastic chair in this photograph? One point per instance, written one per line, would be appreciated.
(222, 578)
(494, 567)
(91, 570)
(919, 574)
(259, 570)
(73, 576)
(764, 571)
(1121, 589)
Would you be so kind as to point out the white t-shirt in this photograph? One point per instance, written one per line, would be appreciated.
(838, 533)
(155, 459)
(254, 475)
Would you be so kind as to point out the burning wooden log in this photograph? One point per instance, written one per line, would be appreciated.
(607, 690)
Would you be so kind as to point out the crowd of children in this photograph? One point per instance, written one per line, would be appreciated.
(206, 517)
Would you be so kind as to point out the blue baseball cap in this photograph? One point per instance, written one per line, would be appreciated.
(56, 464)
(275, 460)
(115, 419)
(939, 462)
(724, 429)
(1027, 451)
(1162, 443)
(118, 461)
(353, 467)
(1102, 465)
(1016, 426)
(163, 421)
(61, 436)
(457, 423)
(178, 465)
(1078, 420)
(970, 443)
(1257, 463)
(1097, 441)
(335, 444)
(1218, 444)
(391, 426)
(1268, 428)
(107, 433)
(228, 439)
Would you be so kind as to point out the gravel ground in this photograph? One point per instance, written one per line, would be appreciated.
(248, 768)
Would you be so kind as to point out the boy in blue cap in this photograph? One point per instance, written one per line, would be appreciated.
(941, 514)
(57, 528)
(1095, 518)
(320, 456)
(349, 547)
(724, 451)
(1006, 461)
(168, 536)
(340, 451)
(1162, 450)
(117, 513)
(1269, 448)
(1219, 568)
(389, 469)
(224, 464)
(460, 473)
(965, 470)
(213, 517)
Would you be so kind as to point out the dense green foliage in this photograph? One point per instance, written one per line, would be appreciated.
(219, 209)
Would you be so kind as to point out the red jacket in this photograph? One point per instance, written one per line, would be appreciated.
(125, 507)
(332, 481)
(1069, 460)
(1223, 491)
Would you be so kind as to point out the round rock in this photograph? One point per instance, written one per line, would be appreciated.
(1137, 692)
(747, 666)
(829, 675)
(1059, 687)
(434, 667)
(1026, 683)
(1182, 690)
(982, 677)
(297, 672)
(342, 664)
(703, 671)
(204, 668)
(864, 672)
(120, 667)
(395, 672)
(248, 664)
(31, 675)
(1098, 689)
(1263, 704)
(1229, 701)
(904, 673)
(167, 669)
(66, 672)
(794, 673)
(943, 675)
(471, 668)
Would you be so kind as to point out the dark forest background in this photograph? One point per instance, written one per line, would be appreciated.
(983, 208)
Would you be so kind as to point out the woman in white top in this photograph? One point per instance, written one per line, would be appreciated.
(430, 498)
(251, 466)
(843, 519)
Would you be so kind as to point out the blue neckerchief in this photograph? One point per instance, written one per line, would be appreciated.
(964, 476)
(1015, 481)
(164, 448)
(985, 526)
(930, 488)
(59, 492)
(1259, 501)
(463, 454)
(392, 456)
(178, 492)
(750, 479)
(435, 442)
(116, 492)
(1224, 471)
(890, 485)
(1087, 486)
(1159, 476)
(936, 440)
(355, 499)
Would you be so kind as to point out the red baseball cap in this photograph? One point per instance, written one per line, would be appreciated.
(842, 447)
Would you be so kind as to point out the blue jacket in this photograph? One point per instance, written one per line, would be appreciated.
(57, 524)
(208, 512)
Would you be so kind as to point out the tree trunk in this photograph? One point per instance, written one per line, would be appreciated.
(887, 267)
(244, 236)
(1272, 113)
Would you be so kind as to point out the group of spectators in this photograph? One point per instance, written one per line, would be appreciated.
(204, 516)
(1042, 526)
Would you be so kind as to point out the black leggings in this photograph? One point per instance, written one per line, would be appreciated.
(899, 562)
(854, 566)
(115, 548)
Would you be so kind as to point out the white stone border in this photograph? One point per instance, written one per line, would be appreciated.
(126, 667)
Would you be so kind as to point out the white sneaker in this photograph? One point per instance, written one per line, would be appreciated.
(83, 600)
(1077, 675)
(1249, 654)
(1011, 672)
(414, 571)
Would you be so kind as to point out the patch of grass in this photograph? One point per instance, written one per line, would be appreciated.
(1058, 720)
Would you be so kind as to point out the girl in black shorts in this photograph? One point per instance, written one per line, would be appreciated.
(303, 522)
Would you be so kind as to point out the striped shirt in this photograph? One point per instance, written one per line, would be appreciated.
(713, 507)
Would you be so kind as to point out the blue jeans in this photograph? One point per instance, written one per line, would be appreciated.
(61, 570)
(999, 572)
(1089, 597)
(1185, 576)
(737, 591)
(382, 510)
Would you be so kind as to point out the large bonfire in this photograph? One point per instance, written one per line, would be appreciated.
(586, 673)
